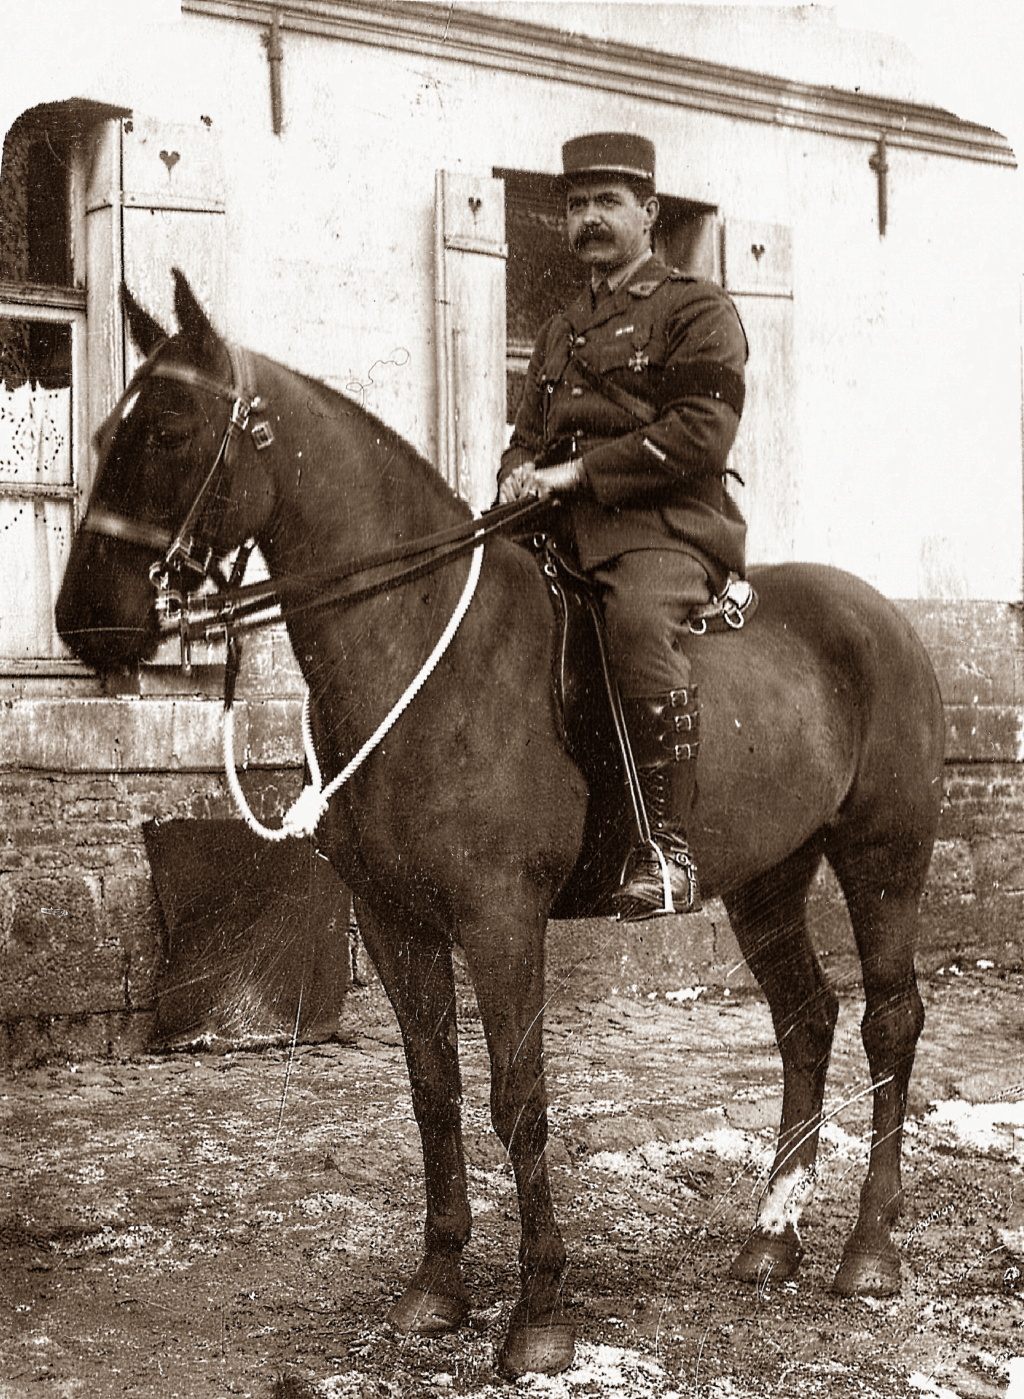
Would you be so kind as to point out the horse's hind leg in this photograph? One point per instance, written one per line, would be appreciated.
(769, 921)
(415, 965)
(882, 885)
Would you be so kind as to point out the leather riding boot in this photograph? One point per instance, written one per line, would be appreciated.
(660, 876)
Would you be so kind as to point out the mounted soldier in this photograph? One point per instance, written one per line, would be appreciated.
(466, 827)
(632, 401)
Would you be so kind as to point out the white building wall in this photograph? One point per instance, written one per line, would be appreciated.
(894, 449)
(905, 435)
(907, 348)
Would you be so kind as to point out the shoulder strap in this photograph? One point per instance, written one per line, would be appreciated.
(638, 407)
(693, 378)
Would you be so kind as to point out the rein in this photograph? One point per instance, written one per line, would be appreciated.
(304, 815)
(236, 607)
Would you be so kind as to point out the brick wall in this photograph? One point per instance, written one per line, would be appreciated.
(972, 909)
(973, 902)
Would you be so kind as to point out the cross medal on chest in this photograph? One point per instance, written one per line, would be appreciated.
(639, 361)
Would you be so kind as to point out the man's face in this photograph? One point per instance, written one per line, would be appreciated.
(608, 223)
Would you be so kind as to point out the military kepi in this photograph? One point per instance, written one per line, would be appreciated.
(609, 153)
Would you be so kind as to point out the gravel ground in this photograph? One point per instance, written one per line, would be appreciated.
(210, 1226)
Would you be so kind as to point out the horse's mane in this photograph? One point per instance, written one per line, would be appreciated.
(381, 439)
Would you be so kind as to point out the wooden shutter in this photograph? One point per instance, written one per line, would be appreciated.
(471, 256)
(103, 274)
(758, 274)
(172, 213)
(689, 236)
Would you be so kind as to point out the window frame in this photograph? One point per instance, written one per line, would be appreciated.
(26, 301)
(88, 130)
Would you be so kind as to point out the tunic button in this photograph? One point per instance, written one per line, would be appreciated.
(580, 340)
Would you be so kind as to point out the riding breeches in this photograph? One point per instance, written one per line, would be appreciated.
(647, 595)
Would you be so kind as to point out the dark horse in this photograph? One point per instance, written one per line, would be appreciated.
(823, 737)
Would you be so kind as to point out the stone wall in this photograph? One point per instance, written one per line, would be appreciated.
(81, 935)
(82, 938)
(971, 910)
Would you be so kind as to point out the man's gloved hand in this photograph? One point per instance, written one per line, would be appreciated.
(530, 480)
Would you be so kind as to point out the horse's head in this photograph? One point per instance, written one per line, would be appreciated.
(166, 493)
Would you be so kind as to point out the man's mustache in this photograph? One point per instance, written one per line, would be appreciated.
(591, 234)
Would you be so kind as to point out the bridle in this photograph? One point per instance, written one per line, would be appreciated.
(183, 551)
(234, 607)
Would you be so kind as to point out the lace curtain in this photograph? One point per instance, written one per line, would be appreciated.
(35, 394)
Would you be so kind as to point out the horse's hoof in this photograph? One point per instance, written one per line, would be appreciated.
(537, 1349)
(767, 1256)
(419, 1313)
(867, 1275)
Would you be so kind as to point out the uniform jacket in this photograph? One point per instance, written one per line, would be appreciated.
(676, 342)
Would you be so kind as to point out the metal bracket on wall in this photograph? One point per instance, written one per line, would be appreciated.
(275, 55)
(459, 243)
(880, 166)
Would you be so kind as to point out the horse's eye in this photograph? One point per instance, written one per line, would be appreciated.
(167, 439)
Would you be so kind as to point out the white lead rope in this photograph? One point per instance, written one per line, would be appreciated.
(304, 815)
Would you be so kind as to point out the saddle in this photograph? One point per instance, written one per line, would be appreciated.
(589, 709)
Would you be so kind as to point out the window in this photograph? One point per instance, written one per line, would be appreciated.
(544, 276)
(89, 195)
(42, 370)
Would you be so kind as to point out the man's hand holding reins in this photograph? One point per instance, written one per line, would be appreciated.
(541, 482)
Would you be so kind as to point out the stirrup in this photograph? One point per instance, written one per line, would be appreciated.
(651, 884)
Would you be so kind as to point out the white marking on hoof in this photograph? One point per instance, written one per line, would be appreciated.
(784, 1200)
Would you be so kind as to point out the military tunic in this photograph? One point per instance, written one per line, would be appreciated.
(675, 342)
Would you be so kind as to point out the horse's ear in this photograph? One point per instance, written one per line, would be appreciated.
(197, 334)
(145, 332)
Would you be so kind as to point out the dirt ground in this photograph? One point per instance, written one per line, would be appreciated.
(211, 1226)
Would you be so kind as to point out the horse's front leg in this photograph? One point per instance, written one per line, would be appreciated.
(415, 965)
(506, 961)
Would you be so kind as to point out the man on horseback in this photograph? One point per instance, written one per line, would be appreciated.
(632, 401)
